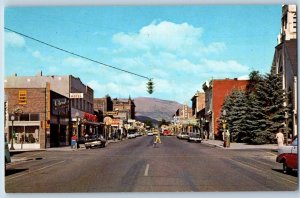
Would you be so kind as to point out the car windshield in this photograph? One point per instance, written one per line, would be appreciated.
(196, 135)
(295, 142)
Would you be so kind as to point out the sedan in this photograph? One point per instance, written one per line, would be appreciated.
(288, 156)
(184, 136)
(94, 141)
(194, 137)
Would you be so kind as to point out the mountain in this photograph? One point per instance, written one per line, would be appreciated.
(155, 109)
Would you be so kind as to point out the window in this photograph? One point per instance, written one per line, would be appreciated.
(22, 96)
(24, 117)
(34, 117)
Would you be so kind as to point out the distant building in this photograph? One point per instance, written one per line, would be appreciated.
(285, 62)
(125, 107)
(215, 93)
(52, 105)
(198, 103)
(102, 106)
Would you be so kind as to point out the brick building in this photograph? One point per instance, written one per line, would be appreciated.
(125, 107)
(50, 97)
(215, 93)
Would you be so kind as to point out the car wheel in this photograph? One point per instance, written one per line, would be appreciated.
(286, 169)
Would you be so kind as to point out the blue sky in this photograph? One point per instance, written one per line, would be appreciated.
(180, 47)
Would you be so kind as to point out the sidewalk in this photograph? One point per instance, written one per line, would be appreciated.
(61, 148)
(219, 143)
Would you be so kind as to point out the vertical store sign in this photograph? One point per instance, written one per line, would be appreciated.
(48, 105)
(22, 97)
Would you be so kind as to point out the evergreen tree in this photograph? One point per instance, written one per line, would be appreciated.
(254, 118)
(234, 105)
(272, 96)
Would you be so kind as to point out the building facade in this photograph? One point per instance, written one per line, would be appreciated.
(285, 63)
(215, 93)
(65, 106)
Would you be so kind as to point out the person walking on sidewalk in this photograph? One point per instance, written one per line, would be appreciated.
(74, 141)
(280, 138)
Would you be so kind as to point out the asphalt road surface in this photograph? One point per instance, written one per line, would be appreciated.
(133, 165)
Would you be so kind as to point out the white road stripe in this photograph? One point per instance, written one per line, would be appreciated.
(146, 170)
(35, 170)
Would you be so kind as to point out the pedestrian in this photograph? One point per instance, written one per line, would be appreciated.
(280, 138)
(74, 141)
(205, 134)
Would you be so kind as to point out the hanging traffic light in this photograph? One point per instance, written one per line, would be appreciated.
(150, 86)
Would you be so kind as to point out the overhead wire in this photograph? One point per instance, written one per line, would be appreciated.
(75, 54)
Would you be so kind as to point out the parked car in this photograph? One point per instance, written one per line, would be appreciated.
(149, 133)
(194, 137)
(166, 132)
(131, 135)
(288, 156)
(94, 141)
(183, 136)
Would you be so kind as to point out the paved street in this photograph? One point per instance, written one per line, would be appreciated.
(133, 165)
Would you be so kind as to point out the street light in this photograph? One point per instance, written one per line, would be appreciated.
(286, 116)
(201, 127)
(77, 134)
(12, 118)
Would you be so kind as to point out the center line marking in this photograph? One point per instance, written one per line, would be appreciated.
(146, 170)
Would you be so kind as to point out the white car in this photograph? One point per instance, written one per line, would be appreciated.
(194, 137)
(184, 136)
(131, 135)
(149, 133)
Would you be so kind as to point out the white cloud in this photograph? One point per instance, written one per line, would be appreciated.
(226, 67)
(115, 89)
(181, 38)
(14, 40)
(76, 62)
(38, 55)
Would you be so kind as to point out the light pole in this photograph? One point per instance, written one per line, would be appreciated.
(201, 127)
(12, 118)
(224, 127)
(77, 134)
(286, 116)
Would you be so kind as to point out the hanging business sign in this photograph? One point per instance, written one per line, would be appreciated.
(76, 95)
(107, 120)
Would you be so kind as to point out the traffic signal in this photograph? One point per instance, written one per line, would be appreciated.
(150, 86)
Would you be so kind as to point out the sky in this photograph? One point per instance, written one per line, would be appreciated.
(179, 47)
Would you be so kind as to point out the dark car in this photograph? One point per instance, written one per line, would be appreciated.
(94, 141)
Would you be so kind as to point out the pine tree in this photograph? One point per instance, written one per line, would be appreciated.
(254, 119)
(234, 105)
(238, 116)
(272, 96)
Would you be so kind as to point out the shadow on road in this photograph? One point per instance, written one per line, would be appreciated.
(292, 173)
(12, 171)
